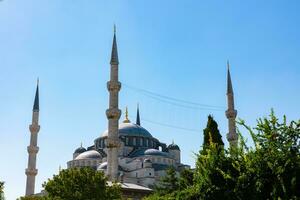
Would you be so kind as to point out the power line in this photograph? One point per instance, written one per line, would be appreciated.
(171, 126)
(175, 101)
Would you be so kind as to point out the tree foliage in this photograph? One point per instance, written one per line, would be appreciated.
(212, 134)
(78, 184)
(1, 190)
(81, 184)
(268, 170)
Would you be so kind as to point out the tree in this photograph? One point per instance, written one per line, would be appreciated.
(81, 184)
(1, 190)
(212, 134)
(269, 170)
(186, 179)
(272, 168)
(169, 183)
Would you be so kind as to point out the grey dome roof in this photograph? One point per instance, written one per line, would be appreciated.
(173, 147)
(130, 129)
(80, 150)
(91, 154)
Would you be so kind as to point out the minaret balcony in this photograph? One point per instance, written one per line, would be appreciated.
(231, 113)
(114, 86)
(232, 137)
(33, 149)
(34, 128)
(113, 113)
(113, 143)
(31, 172)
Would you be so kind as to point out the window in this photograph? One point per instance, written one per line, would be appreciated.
(141, 141)
(134, 141)
(126, 141)
(147, 142)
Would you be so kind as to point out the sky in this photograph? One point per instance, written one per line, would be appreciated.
(174, 49)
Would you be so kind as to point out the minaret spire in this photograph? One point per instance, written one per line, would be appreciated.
(138, 120)
(36, 105)
(113, 114)
(33, 149)
(231, 113)
(114, 52)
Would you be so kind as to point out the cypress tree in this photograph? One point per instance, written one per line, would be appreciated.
(212, 134)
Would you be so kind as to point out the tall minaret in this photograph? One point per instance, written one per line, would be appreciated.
(33, 149)
(231, 113)
(113, 114)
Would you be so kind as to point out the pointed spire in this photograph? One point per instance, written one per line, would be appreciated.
(114, 52)
(36, 106)
(126, 120)
(229, 83)
(138, 120)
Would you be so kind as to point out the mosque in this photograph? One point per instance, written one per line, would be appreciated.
(126, 152)
(142, 158)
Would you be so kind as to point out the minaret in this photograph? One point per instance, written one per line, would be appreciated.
(33, 149)
(231, 113)
(113, 114)
(138, 120)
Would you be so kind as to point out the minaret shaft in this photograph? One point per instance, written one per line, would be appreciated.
(32, 149)
(113, 114)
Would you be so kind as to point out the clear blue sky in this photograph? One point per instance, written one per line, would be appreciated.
(175, 48)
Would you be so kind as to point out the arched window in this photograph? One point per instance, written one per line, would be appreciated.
(141, 141)
(134, 141)
(127, 141)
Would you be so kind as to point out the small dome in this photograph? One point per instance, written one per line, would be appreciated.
(130, 129)
(173, 147)
(91, 154)
(80, 150)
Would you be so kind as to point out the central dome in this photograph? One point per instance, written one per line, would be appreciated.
(130, 129)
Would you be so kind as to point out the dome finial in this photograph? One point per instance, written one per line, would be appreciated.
(126, 120)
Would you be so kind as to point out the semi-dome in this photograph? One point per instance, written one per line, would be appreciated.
(148, 152)
(173, 147)
(91, 154)
(103, 166)
(80, 150)
(130, 129)
(155, 152)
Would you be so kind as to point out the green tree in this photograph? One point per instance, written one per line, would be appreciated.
(169, 183)
(186, 178)
(1, 190)
(272, 168)
(212, 134)
(268, 170)
(81, 184)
